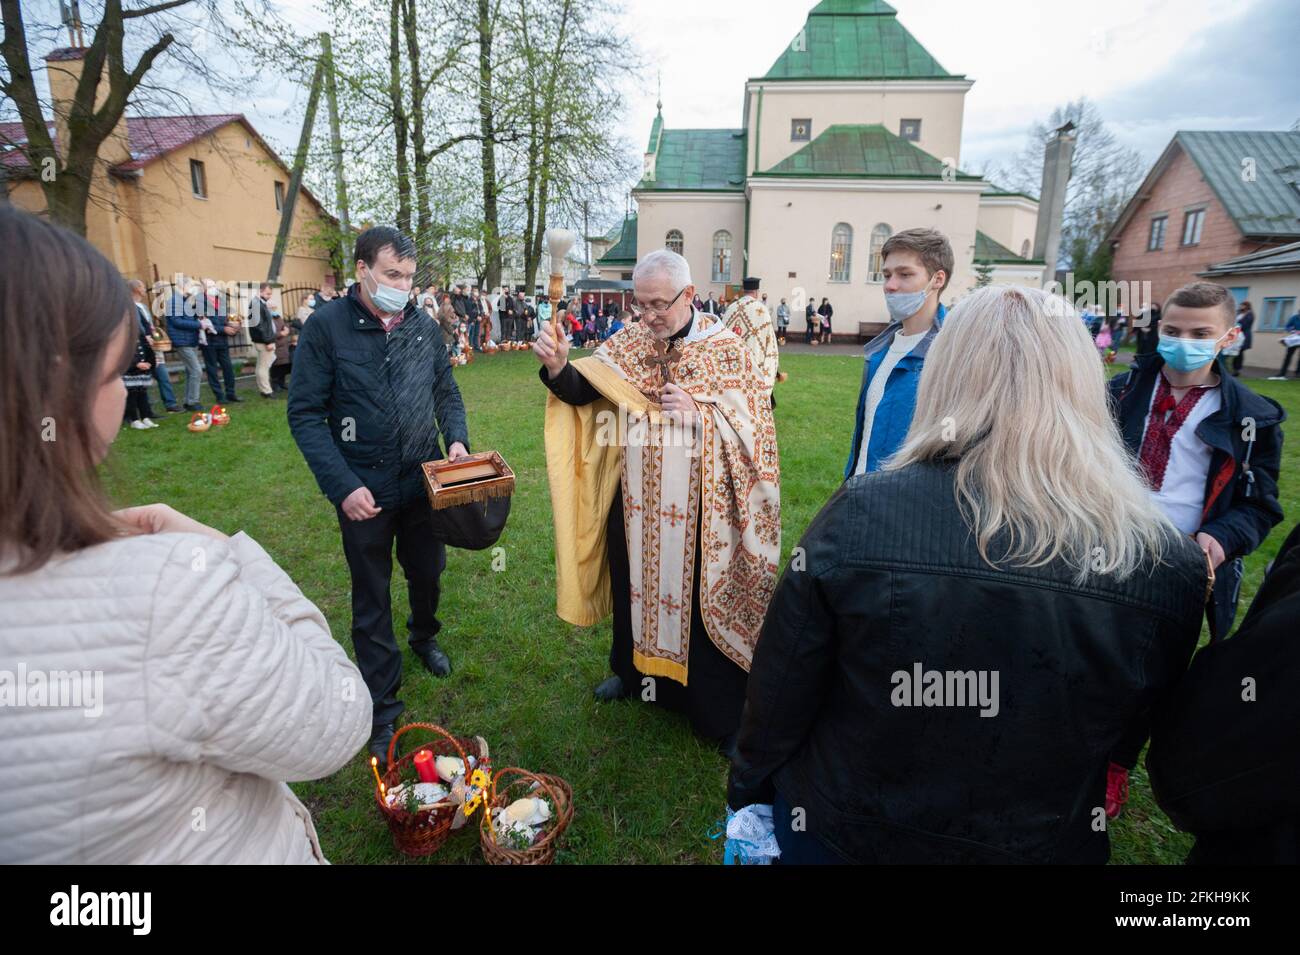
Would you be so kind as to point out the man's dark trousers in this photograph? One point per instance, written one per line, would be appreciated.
(217, 364)
(368, 547)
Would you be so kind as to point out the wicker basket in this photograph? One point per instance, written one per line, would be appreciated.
(422, 833)
(510, 784)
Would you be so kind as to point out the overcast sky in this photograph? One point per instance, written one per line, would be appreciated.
(1152, 66)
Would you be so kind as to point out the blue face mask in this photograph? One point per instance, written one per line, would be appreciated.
(1187, 354)
(903, 305)
(387, 299)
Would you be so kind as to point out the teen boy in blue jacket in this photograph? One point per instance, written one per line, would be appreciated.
(917, 265)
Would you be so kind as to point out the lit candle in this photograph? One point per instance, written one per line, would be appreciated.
(374, 768)
(424, 766)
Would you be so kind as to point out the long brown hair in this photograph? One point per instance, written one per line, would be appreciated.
(56, 332)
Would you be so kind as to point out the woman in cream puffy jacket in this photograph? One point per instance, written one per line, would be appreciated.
(160, 682)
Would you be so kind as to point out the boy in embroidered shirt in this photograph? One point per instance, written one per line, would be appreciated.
(1210, 449)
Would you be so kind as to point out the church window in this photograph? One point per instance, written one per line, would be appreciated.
(841, 252)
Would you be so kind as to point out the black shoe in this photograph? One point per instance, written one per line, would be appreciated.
(380, 737)
(265, 395)
(194, 407)
(611, 689)
(233, 400)
(173, 409)
(434, 660)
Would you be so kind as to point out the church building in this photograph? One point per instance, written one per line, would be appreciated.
(854, 133)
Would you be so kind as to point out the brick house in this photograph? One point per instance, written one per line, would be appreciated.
(1211, 197)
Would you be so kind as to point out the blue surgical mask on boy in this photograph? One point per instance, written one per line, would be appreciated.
(903, 305)
(1188, 354)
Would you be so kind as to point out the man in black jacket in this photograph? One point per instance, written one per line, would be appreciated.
(509, 312)
(1225, 745)
(372, 387)
(524, 315)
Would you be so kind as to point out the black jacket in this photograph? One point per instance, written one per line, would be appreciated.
(391, 391)
(1241, 504)
(1247, 322)
(891, 578)
(261, 324)
(143, 352)
(1225, 745)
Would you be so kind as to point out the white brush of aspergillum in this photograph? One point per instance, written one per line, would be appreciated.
(558, 244)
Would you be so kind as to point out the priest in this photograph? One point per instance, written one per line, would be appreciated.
(752, 322)
(662, 459)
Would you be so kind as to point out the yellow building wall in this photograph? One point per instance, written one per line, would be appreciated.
(230, 235)
(154, 226)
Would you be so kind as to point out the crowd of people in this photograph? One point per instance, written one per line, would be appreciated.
(960, 662)
(473, 321)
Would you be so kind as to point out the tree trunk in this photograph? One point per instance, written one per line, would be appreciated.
(399, 119)
(487, 150)
(425, 241)
(534, 239)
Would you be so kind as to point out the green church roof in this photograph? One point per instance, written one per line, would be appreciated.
(855, 40)
(862, 152)
(697, 160)
(995, 190)
(622, 252)
(989, 251)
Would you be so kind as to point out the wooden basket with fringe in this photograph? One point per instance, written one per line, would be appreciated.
(512, 783)
(423, 832)
(474, 478)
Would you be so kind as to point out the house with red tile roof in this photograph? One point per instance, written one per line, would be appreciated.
(198, 195)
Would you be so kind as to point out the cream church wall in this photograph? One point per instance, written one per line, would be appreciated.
(697, 216)
(1010, 220)
(938, 105)
(790, 231)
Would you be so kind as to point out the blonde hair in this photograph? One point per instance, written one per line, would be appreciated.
(1014, 389)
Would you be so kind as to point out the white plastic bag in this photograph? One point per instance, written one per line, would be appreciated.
(751, 837)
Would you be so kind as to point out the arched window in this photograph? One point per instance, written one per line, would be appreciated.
(841, 252)
(1024, 249)
(722, 256)
(673, 241)
(876, 267)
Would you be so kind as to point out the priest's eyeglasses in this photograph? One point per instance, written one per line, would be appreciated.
(641, 310)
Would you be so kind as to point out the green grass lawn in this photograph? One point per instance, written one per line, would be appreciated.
(646, 790)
